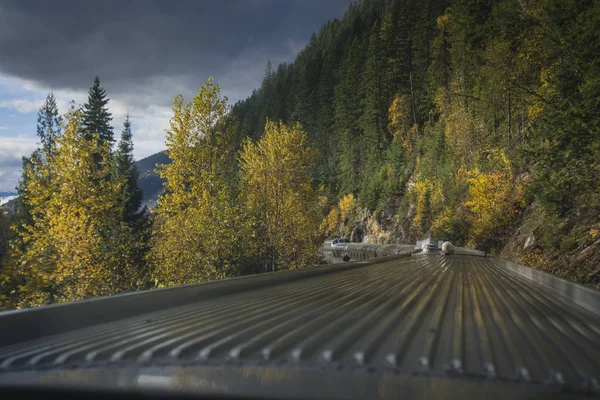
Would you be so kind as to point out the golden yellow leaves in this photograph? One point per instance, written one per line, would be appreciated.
(441, 100)
(279, 198)
(73, 247)
(338, 215)
(462, 131)
(494, 198)
(534, 111)
(331, 222)
(197, 228)
(191, 247)
(429, 197)
(400, 123)
(443, 21)
(534, 258)
(347, 205)
(546, 92)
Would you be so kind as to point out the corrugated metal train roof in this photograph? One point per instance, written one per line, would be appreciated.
(455, 316)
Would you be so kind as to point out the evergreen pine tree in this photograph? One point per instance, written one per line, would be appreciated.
(347, 106)
(327, 170)
(423, 33)
(304, 82)
(48, 125)
(267, 96)
(399, 47)
(127, 171)
(96, 117)
(76, 245)
(373, 102)
(49, 131)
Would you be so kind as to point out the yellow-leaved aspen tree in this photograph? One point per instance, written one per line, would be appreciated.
(196, 231)
(279, 197)
(76, 246)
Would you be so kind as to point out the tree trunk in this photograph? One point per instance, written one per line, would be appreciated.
(412, 98)
(509, 122)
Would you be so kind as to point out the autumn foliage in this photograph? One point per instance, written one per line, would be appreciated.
(494, 199)
(450, 117)
(197, 225)
(75, 245)
(279, 198)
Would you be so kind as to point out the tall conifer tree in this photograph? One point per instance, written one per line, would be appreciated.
(127, 171)
(75, 244)
(96, 117)
(48, 131)
(48, 125)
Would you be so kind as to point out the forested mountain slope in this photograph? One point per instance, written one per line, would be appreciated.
(149, 181)
(474, 120)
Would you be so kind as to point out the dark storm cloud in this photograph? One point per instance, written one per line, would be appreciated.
(131, 44)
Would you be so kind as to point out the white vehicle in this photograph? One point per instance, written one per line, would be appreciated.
(429, 248)
(337, 242)
(329, 242)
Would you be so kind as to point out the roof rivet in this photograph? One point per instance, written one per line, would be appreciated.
(359, 357)
(391, 359)
(523, 373)
(456, 365)
(558, 378)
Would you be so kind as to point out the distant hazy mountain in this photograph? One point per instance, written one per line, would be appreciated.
(150, 183)
(5, 197)
(8, 202)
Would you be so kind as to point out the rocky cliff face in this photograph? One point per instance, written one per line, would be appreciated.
(567, 247)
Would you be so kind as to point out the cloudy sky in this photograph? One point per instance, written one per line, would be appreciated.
(145, 52)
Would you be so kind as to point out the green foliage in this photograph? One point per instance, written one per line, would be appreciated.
(75, 245)
(49, 132)
(96, 117)
(7, 285)
(452, 113)
(74, 231)
(459, 82)
(126, 171)
(456, 230)
(371, 193)
(342, 85)
(48, 125)
(347, 106)
(565, 123)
